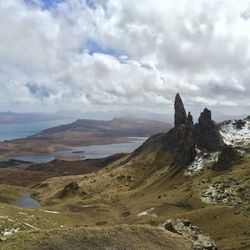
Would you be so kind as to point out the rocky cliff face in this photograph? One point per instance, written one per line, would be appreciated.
(189, 152)
(207, 136)
(180, 139)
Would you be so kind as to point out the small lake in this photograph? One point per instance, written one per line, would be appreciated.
(27, 201)
(86, 152)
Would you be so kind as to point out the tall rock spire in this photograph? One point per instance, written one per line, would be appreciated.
(180, 139)
(180, 115)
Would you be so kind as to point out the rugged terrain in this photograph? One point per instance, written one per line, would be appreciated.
(190, 184)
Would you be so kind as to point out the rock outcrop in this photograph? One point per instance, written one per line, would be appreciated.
(207, 135)
(180, 139)
(185, 153)
(180, 115)
(239, 124)
(71, 188)
(185, 138)
(227, 158)
(232, 192)
(199, 239)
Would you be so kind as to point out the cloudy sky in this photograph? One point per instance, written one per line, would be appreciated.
(117, 54)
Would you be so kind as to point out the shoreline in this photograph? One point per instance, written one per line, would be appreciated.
(76, 152)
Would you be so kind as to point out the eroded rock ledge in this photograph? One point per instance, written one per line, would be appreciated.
(199, 239)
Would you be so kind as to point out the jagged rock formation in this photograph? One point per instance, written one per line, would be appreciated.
(227, 158)
(180, 115)
(185, 153)
(71, 188)
(199, 239)
(207, 136)
(240, 124)
(180, 139)
(183, 139)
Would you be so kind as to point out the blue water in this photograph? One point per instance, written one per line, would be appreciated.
(21, 130)
(27, 201)
(86, 152)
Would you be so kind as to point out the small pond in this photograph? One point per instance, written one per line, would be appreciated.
(27, 201)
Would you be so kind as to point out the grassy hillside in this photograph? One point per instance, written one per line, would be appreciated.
(145, 181)
(120, 237)
(140, 188)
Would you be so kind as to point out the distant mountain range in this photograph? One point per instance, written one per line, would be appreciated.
(83, 132)
(14, 117)
(129, 126)
(11, 117)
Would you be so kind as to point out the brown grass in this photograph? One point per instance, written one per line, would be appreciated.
(117, 238)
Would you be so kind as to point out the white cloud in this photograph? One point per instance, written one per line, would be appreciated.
(130, 53)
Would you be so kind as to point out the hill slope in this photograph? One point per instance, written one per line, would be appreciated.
(116, 127)
(119, 238)
(193, 172)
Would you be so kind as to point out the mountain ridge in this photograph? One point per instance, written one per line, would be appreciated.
(83, 132)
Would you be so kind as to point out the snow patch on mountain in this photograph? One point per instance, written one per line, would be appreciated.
(234, 135)
(201, 160)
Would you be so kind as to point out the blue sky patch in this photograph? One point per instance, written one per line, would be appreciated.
(46, 4)
(94, 47)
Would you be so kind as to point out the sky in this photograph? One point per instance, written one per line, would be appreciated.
(101, 55)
